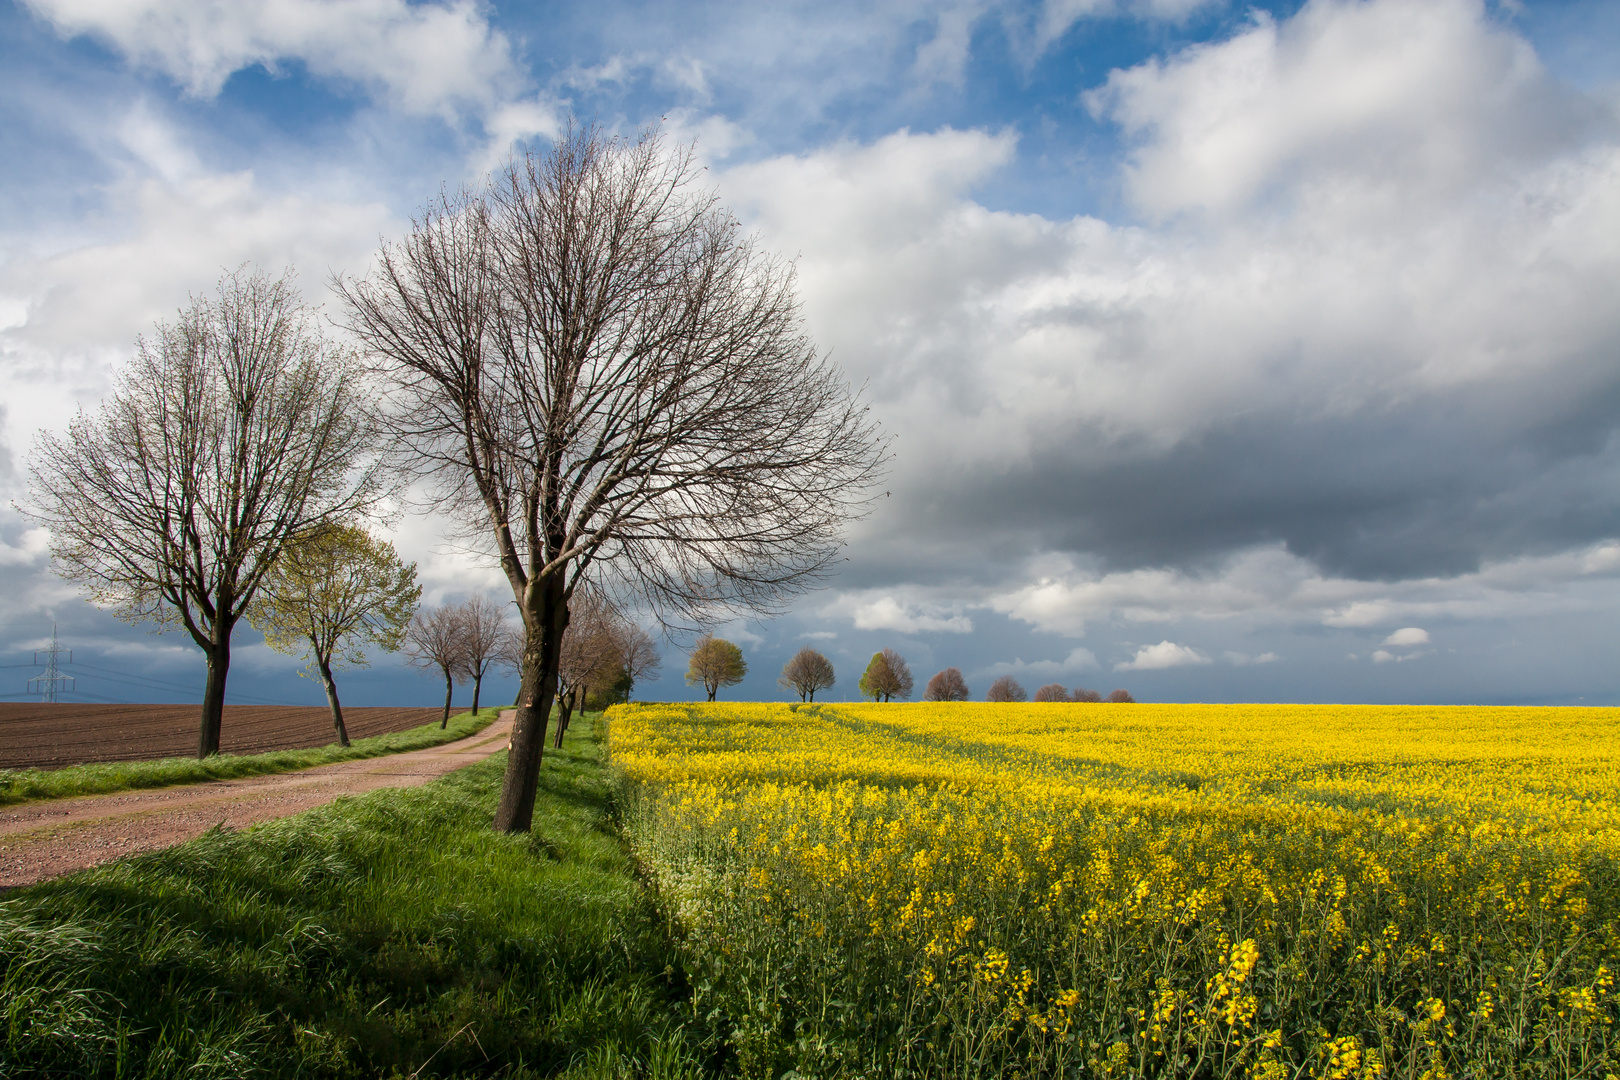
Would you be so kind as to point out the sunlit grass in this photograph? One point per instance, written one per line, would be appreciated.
(102, 777)
(370, 937)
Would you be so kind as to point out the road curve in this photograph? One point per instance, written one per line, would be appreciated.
(43, 839)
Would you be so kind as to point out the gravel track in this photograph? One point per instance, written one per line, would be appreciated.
(43, 839)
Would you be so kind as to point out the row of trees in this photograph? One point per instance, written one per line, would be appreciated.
(584, 360)
(716, 663)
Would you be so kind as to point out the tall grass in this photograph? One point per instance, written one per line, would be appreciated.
(393, 934)
(102, 777)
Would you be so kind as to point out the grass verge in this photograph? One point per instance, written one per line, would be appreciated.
(102, 777)
(391, 934)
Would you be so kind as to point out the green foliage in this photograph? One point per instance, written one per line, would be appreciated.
(393, 934)
(716, 662)
(872, 678)
(333, 589)
(99, 778)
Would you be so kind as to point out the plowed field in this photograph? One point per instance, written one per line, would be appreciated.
(51, 736)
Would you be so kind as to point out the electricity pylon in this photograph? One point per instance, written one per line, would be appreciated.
(52, 680)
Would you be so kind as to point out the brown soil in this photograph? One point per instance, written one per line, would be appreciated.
(42, 839)
(35, 736)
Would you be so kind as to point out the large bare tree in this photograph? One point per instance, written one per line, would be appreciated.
(592, 357)
(437, 638)
(235, 428)
(807, 672)
(484, 630)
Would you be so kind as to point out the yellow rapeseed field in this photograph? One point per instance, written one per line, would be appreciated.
(1270, 891)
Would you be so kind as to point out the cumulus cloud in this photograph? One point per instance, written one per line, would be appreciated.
(1166, 654)
(1388, 371)
(1389, 92)
(422, 58)
(1407, 636)
(888, 613)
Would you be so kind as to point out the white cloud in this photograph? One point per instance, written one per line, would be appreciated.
(1238, 659)
(820, 635)
(887, 613)
(1166, 654)
(1389, 92)
(423, 58)
(1384, 656)
(1408, 635)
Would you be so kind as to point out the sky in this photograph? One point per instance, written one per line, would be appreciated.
(1230, 352)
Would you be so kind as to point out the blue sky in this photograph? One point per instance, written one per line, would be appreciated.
(1231, 352)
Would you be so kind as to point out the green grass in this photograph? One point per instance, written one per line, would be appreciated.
(392, 934)
(99, 778)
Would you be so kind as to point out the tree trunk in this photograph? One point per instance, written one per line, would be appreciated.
(213, 703)
(332, 699)
(565, 710)
(445, 722)
(478, 681)
(546, 615)
(713, 690)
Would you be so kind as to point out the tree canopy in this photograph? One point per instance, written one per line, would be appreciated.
(715, 662)
(334, 589)
(806, 672)
(887, 676)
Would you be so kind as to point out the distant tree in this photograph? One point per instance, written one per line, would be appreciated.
(1083, 695)
(639, 660)
(333, 589)
(1007, 689)
(807, 672)
(238, 428)
(485, 633)
(589, 654)
(948, 685)
(716, 662)
(1052, 692)
(435, 639)
(1122, 696)
(887, 676)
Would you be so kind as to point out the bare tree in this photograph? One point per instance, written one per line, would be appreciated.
(1081, 694)
(436, 638)
(236, 428)
(1053, 692)
(639, 659)
(1122, 697)
(947, 685)
(1007, 689)
(807, 672)
(484, 631)
(715, 662)
(335, 588)
(589, 653)
(591, 356)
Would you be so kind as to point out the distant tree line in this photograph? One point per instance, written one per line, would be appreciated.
(716, 662)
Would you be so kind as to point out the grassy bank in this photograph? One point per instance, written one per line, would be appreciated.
(392, 934)
(99, 778)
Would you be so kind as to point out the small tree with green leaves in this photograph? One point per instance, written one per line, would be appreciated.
(887, 676)
(334, 589)
(716, 662)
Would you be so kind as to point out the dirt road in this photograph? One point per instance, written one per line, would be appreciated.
(39, 840)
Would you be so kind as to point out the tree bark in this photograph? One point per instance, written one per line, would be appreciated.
(448, 687)
(213, 703)
(478, 681)
(332, 699)
(546, 611)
